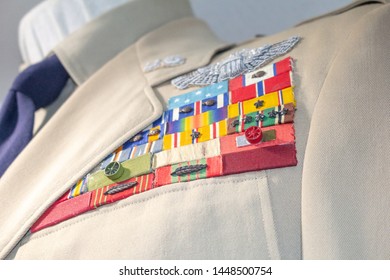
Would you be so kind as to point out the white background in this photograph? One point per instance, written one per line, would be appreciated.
(281, 270)
(232, 20)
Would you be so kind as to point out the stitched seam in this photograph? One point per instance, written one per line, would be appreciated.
(274, 237)
(111, 209)
(262, 216)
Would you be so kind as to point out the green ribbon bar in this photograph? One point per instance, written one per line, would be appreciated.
(132, 168)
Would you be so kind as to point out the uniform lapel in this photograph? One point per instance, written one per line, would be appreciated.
(112, 106)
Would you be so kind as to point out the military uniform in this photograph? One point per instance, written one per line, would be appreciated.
(331, 205)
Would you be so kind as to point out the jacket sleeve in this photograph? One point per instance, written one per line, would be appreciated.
(346, 190)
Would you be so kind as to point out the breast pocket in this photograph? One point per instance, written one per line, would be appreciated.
(219, 218)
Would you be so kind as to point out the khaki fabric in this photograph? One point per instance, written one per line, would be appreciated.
(332, 205)
(354, 4)
(346, 190)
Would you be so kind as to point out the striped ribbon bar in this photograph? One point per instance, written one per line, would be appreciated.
(198, 107)
(132, 168)
(242, 141)
(137, 151)
(142, 138)
(160, 121)
(265, 155)
(242, 93)
(123, 153)
(197, 120)
(166, 175)
(254, 77)
(261, 118)
(156, 133)
(130, 151)
(197, 95)
(268, 117)
(80, 188)
(278, 98)
(277, 153)
(207, 118)
(187, 153)
(276, 83)
(261, 74)
(206, 133)
(63, 210)
(99, 198)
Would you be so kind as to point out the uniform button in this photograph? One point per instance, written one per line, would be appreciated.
(253, 135)
(114, 170)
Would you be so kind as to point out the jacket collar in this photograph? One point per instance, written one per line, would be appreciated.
(89, 48)
(111, 107)
(194, 41)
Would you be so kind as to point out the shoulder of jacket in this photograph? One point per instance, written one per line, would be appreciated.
(344, 9)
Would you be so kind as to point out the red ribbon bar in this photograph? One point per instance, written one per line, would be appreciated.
(277, 69)
(273, 84)
(164, 177)
(265, 155)
(144, 183)
(63, 210)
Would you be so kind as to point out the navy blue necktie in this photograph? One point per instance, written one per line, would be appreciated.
(36, 87)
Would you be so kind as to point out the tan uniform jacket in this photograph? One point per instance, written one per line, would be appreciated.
(332, 205)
